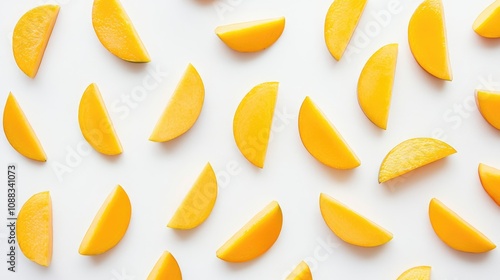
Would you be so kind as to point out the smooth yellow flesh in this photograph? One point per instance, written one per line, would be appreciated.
(456, 232)
(109, 225)
(255, 238)
(31, 35)
(198, 203)
(95, 123)
(416, 273)
(252, 122)
(488, 103)
(341, 21)
(350, 226)
(301, 272)
(490, 180)
(412, 154)
(375, 85)
(19, 132)
(34, 228)
(183, 109)
(322, 139)
(251, 36)
(114, 29)
(166, 268)
(427, 39)
(487, 23)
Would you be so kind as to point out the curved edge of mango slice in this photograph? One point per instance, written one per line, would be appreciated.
(253, 120)
(34, 228)
(375, 85)
(490, 180)
(183, 109)
(256, 237)
(412, 154)
(488, 103)
(252, 36)
(95, 123)
(322, 140)
(19, 132)
(455, 232)
(166, 268)
(487, 24)
(428, 40)
(350, 226)
(109, 224)
(198, 203)
(416, 273)
(301, 272)
(115, 31)
(31, 36)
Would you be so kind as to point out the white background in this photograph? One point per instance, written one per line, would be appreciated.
(157, 176)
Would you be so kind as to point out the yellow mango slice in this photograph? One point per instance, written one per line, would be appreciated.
(341, 21)
(416, 273)
(255, 238)
(487, 24)
(109, 225)
(351, 226)
(183, 109)
(252, 36)
(166, 268)
(31, 35)
(490, 180)
(427, 39)
(322, 140)
(34, 228)
(412, 154)
(95, 123)
(116, 32)
(456, 232)
(19, 132)
(301, 272)
(375, 85)
(488, 103)
(198, 203)
(252, 122)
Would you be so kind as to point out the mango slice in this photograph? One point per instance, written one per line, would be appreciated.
(252, 36)
(488, 103)
(375, 85)
(198, 203)
(31, 35)
(427, 39)
(116, 32)
(412, 154)
(340, 22)
(95, 123)
(252, 122)
(416, 273)
(301, 272)
(490, 180)
(34, 228)
(255, 238)
(351, 226)
(166, 268)
(19, 132)
(183, 109)
(487, 24)
(109, 225)
(456, 232)
(322, 140)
